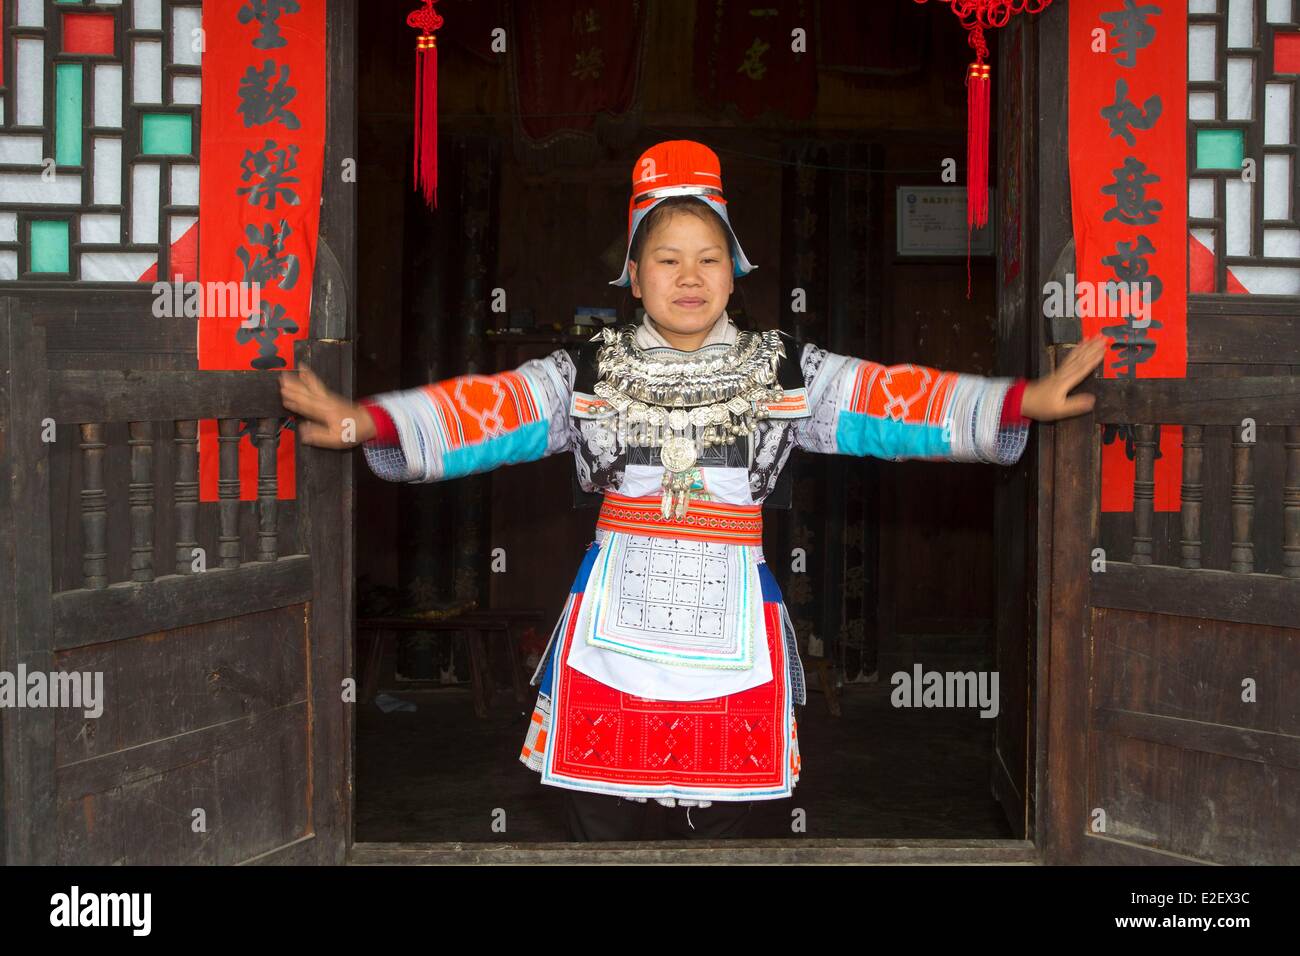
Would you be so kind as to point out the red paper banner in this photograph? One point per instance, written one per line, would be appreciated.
(260, 168)
(1128, 189)
(573, 61)
(743, 56)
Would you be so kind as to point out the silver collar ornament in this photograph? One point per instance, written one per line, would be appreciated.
(683, 402)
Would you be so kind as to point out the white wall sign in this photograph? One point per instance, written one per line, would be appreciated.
(932, 222)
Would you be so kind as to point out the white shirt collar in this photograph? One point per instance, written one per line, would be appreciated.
(723, 331)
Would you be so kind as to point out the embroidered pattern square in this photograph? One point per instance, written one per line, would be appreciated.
(677, 601)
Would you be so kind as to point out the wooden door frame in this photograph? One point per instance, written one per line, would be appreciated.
(1067, 515)
(1051, 225)
(1042, 244)
(333, 333)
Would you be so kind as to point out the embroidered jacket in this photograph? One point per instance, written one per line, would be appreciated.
(835, 404)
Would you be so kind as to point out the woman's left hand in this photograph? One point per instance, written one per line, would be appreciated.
(1048, 398)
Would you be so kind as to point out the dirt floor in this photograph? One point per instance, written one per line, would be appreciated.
(441, 774)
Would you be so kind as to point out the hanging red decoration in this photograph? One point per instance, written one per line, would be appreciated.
(426, 20)
(977, 16)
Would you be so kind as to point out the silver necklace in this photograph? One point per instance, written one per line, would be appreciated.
(687, 403)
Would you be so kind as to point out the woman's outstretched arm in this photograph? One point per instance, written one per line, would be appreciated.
(458, 426)
(859, 407)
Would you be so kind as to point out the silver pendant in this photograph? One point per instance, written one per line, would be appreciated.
(677, 453)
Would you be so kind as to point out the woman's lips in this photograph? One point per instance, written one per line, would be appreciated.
(689, 303)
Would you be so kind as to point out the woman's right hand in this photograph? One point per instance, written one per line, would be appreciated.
(325, 419)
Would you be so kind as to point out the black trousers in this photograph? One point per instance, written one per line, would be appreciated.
(597, 816)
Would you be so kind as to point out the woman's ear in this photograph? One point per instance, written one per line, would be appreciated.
(631, 274)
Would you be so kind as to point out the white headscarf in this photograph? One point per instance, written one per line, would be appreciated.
(723, 330)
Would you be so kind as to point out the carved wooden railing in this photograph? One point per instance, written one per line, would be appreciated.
(1195, 404)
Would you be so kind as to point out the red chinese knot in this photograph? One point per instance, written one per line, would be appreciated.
(977, 16)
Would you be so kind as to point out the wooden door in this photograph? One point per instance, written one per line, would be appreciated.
(1174, 721)
(224, 735)
(1169, 642)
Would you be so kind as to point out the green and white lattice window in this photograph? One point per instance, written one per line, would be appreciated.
(1243, 61)
(99, 140)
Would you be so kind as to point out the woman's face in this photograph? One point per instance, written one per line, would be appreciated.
(684, 277)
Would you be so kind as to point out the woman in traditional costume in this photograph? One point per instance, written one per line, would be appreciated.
(673, 672)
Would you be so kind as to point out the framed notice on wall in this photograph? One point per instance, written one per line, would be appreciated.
(932, 222)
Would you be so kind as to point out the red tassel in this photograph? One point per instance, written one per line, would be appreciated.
(978, 87)
(426, 21)
(426, 120)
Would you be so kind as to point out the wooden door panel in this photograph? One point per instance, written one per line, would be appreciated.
(1173, 719)
(1173, 799)
(221, 687)
(1169, 720)
(184, 682)
(224, 689)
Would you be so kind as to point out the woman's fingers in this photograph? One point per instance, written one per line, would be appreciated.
(320, 412)
(312, 382)
(305, 391)
(300, 383)
(322, 435)
(1078, 405)
(1081, 361)
(290, 392)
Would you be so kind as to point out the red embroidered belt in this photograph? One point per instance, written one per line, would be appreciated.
(703, 521)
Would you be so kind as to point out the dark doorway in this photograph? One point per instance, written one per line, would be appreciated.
(905, 561)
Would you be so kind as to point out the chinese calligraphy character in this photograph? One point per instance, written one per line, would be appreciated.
(272, 165)
(586, 21)
(274, 322)
(1111, 432)
(1131, 31)
(588, 64)
(260, 102)
(753, 66)
(248, 427)
(267, 15)
(1124, 113)
(1129, 189)
(1134, 345)
(275, 263)
(1131, 266)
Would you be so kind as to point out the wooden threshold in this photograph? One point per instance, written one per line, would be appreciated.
(702, 852)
